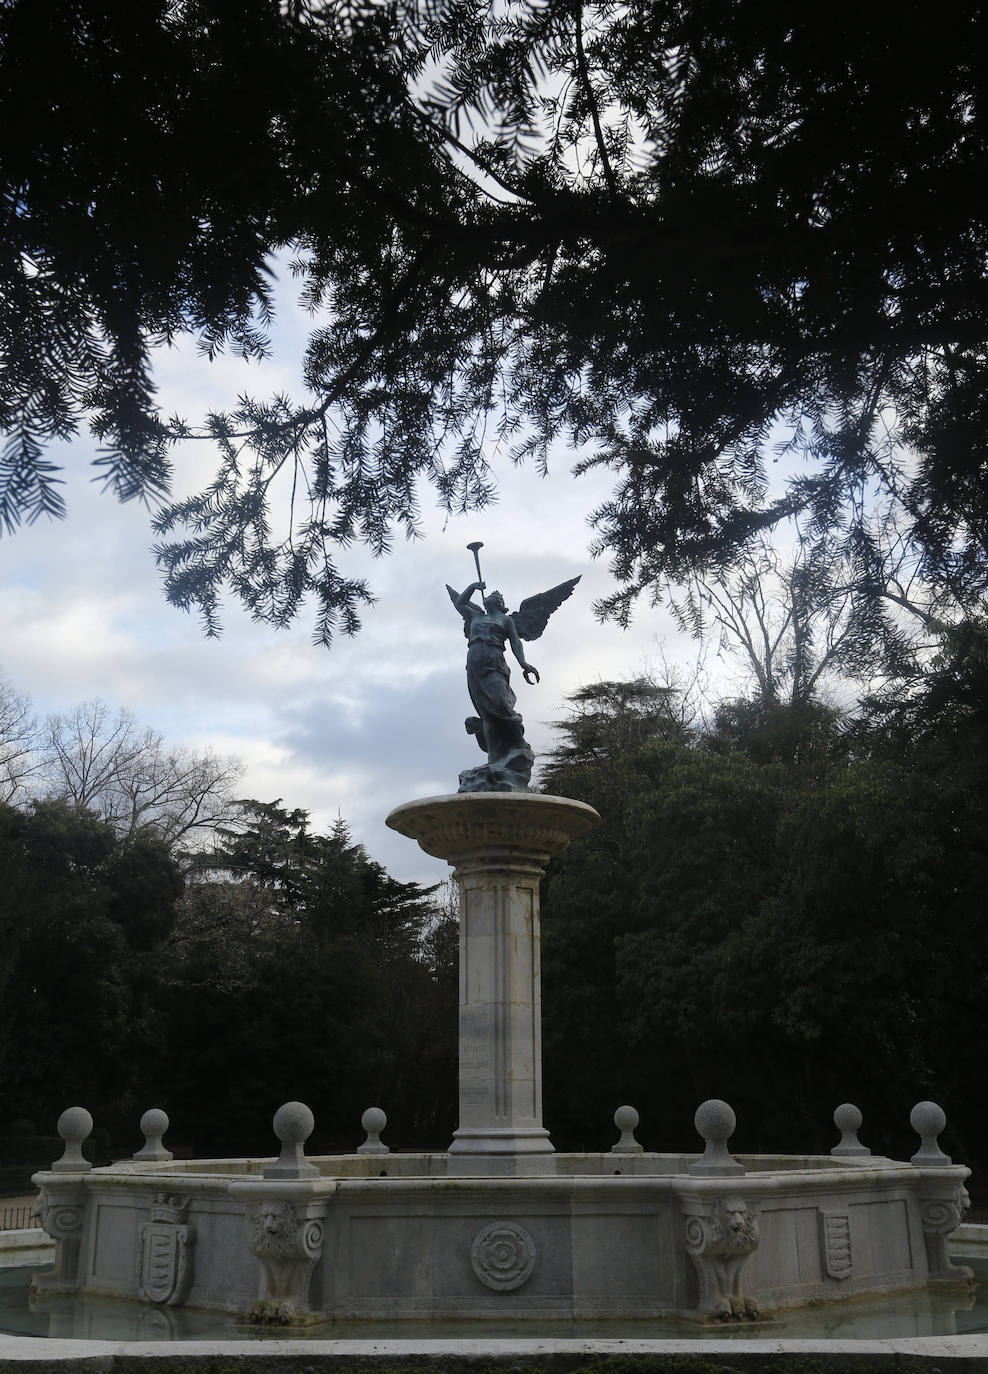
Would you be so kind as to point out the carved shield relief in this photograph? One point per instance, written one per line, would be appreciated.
(837, 1244)
(165, 1262)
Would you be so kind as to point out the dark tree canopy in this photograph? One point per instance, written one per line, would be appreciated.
(84, 910)
(292, 965)
(779, 910)
(655, 230)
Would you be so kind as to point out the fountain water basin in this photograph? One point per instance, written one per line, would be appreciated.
(606, 1237)
(501, 1228)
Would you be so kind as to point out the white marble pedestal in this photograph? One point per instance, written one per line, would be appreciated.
(498, 844)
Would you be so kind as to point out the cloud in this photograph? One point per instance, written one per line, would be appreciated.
(376, 722)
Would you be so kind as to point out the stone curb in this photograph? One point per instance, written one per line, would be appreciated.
(969, 1239)
(21, 1353)
(27, 1246)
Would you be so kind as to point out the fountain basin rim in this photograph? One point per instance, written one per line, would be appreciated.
(428, 1165)
(460, 824)
(617, 1172)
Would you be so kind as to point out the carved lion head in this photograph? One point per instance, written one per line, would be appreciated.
(733, 1228)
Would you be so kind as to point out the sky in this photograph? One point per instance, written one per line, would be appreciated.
(351, 732)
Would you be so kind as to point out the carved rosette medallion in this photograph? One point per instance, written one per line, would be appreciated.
(164, 1257)
(503, 1256)
(837, 1244)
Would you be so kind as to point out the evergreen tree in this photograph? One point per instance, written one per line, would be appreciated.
(783, 914)
(292, 966)
(657, 230)
(316, 973)
(83, 913)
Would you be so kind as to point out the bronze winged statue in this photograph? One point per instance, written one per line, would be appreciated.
(498, 727)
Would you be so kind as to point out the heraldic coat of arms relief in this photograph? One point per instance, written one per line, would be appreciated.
(164, 1263)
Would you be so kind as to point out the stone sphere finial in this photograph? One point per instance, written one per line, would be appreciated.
(848, 1119)
(715, 1121)
(293, 1124)
(928, 1119)
(626, 1119)
(373, 1121)
(74, 1126)
(154, 1124)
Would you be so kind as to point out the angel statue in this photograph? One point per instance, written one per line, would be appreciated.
(497, 726)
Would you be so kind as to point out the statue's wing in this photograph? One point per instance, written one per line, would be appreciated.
(532, 616)
(454, 596)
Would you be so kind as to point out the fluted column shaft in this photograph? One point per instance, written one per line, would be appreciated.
(500, 1008)
(498, 845)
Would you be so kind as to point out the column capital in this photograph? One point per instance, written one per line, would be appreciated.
(479, 827)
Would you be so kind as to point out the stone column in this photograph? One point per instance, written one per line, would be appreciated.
(498, 844)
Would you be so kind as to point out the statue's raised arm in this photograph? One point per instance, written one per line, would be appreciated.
(497, 727)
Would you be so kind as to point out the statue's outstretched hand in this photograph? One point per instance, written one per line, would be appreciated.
(526, 669)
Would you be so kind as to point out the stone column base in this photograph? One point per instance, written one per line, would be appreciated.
(501, 1153)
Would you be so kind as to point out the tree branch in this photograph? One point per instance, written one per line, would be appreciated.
(581, 61)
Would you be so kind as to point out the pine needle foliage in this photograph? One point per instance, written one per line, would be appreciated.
(654, 231)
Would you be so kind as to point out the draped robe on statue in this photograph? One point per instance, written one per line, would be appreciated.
(498, 726)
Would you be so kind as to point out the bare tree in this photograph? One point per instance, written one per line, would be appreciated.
(18, 737)
(106, 762)
(797, 625)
